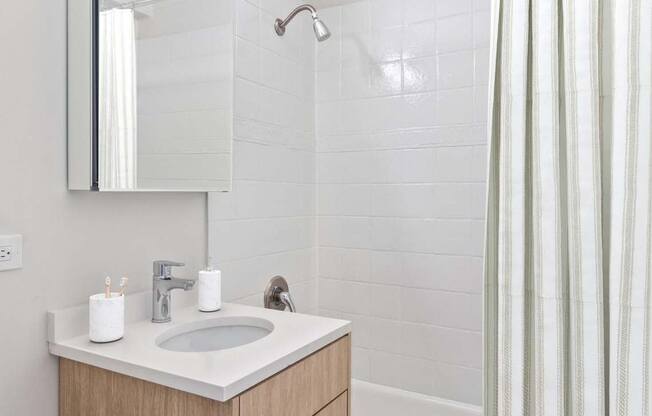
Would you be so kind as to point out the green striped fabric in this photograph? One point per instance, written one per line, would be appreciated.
(569, 222)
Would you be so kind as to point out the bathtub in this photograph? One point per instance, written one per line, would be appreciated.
(369, 399)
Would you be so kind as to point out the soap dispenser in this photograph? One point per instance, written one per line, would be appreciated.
(210, 290)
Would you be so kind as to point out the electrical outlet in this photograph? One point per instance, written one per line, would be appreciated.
(6, 253)
(11, 250)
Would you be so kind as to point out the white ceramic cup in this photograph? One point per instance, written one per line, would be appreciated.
(106, 317)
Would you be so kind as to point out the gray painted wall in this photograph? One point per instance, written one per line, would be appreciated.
(70, 239)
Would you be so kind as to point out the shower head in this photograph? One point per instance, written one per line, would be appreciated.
(321, 31)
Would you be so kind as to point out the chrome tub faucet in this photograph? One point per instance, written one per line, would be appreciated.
(277, 295)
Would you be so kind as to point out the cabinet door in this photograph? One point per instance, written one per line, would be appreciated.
(304, 388)
(85, 390)
(338, 407)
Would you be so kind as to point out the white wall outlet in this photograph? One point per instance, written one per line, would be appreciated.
(11, 252)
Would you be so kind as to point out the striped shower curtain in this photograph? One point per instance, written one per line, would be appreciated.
(568, 287)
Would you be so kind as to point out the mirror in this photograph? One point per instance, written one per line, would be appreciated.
(155, 80)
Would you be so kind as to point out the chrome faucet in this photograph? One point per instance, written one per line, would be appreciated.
(163, 283)
(277, 295)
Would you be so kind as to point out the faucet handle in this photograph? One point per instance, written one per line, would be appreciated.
(163, 268)
(277, 295)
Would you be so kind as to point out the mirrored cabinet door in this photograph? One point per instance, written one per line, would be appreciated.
(150, 95)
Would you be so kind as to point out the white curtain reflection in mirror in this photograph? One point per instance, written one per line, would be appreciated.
(117, 100)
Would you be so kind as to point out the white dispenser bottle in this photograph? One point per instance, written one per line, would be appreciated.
(210, 290)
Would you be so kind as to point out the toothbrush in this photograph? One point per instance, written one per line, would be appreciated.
(123, 285)
(107, 287)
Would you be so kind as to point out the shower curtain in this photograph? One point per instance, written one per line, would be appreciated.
(568, 263)
(117, 100)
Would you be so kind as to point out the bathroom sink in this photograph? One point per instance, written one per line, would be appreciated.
(215, 334)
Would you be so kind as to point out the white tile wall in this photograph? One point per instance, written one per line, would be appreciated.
(267, 225)
(400, 91)
(359, 174)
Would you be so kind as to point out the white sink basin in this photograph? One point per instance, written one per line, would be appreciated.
(215, 334)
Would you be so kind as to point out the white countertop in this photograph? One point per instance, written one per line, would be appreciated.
(219, 375)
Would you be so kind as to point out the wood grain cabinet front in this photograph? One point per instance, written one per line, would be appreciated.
(318, 385)
(304, 388)
(338, 407)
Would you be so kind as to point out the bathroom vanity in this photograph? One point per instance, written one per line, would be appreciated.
(299, 367)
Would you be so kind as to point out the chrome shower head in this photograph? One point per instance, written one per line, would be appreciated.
(321, 31)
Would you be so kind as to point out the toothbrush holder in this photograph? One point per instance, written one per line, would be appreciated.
(106, 317)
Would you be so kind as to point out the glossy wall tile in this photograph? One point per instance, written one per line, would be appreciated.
(266, 226)
(401, 151)
(359, 174)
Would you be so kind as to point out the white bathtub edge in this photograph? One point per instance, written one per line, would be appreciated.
(367, 395)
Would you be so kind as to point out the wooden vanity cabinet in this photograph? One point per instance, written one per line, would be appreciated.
(338, 407)
(317, 385)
